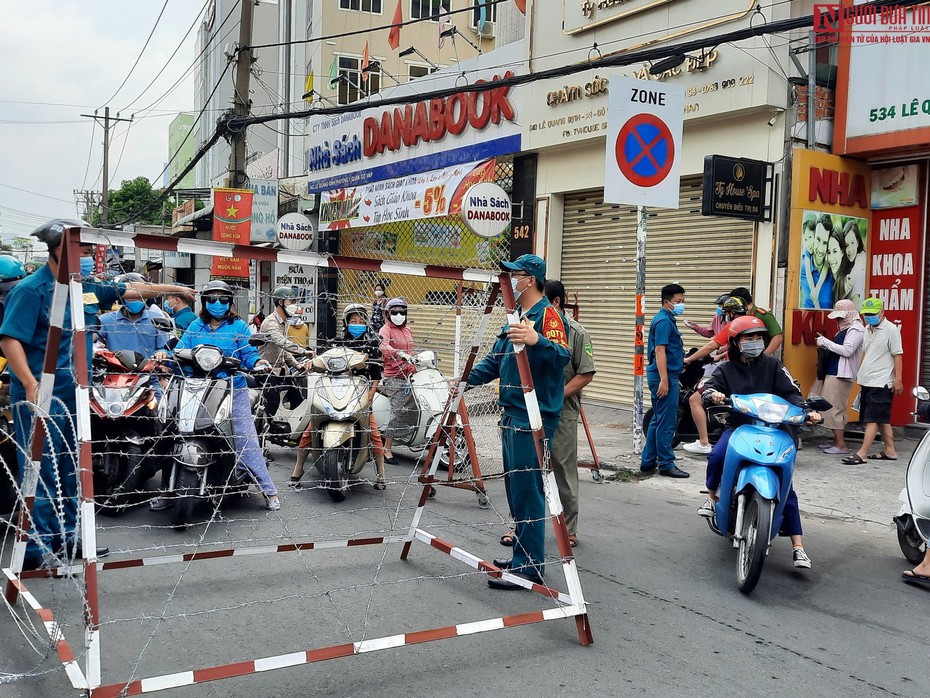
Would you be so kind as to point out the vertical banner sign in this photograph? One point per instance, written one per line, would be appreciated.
(644, 122)
(895, 277)
(100, 259)
(232, 223)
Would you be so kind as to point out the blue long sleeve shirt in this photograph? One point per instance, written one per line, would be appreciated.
(231, 338)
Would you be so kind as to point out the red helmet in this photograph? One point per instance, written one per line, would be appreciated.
(747, 324)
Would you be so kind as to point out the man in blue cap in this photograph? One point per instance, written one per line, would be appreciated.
(541, 331)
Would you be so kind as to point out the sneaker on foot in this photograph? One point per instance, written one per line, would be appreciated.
(158, 504)
(708, 509)
(698, 447)
(272, 503)
(801, 559)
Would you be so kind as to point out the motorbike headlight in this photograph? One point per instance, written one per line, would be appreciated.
(336, 364)
(771, 412)
(796, 419)
(208, 358)
(222, 413)
(116, 409)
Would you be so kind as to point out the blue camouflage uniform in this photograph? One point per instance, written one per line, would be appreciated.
(522, 471)
(28, 310)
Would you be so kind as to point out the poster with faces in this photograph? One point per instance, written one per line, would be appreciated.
(833, 259)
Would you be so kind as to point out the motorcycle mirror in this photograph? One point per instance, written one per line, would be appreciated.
(818, 404)
(258, 339)
(164, 324)
(172, 343)
(921, 393)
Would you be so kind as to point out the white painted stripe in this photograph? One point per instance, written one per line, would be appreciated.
(423, 536)
(160, 683)
(532, 410)
(403, 268)
(46, 388)
(480, 276)
(564, 612)
(380, 643)
(76, 676)
(56, 316)
(114, 238)
(465, 556)
(76, 291)
(162, 560)
(257, 550)
(552, 493)
(573, 582)
(281, 661)
(480, 626)
(206, 247)
(92, 641)
(307, 258)
(82, 395)
(331, 544)
(88, 523)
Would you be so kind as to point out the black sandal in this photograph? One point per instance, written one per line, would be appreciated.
(295, 482)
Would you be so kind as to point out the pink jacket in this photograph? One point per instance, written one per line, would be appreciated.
(393, 340)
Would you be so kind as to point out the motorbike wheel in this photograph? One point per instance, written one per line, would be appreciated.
(333, 472)
(125, 491)
(647, 418)
(912, 545)
(188, 489)
(757, 525)
(462, 456)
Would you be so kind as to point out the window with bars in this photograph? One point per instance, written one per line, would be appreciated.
(351, 87)
(429, 9)
(490, 14)
(372, 6)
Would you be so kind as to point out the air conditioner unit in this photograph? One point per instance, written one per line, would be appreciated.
(487, 32)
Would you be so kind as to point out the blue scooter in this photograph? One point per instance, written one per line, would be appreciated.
(756, 479)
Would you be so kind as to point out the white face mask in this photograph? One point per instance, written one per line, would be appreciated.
(295, 322)
(289, 310)
(379, 293)
(752, 348)
(398, 320)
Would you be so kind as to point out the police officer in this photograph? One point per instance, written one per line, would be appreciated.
(23, 338)
(542, 331)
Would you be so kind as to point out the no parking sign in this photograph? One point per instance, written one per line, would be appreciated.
(644, 122)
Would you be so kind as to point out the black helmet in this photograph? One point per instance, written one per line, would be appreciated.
(735, 306)
(352, 309)
(50, 233)
(216, 287)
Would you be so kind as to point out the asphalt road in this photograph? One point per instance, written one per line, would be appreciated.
(666, 616)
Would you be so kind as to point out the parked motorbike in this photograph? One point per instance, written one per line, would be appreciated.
(197, 414)
(125, 431)
(756, 480)
(913, 520)
(685, 430)
(431, 393)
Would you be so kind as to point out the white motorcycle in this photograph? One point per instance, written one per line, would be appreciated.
(431, 393)
(913, 520)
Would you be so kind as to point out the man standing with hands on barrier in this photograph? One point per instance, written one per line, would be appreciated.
(541, 334)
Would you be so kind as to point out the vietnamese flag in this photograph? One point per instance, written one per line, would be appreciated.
(366, 61)
(232, 223)
(394, 34)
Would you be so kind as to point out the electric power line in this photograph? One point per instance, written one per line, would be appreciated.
(139, 57)
(35, 193)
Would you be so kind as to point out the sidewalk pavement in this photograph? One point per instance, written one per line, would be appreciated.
(826, 488)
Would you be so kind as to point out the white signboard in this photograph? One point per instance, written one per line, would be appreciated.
(415, 197)
(643, 143)
(303, 280)
(295, 231)
(264, 209)
(486, 210)
(349, 150)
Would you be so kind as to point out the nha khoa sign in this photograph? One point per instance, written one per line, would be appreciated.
(487, 210)
(737, 188)
(295, 232)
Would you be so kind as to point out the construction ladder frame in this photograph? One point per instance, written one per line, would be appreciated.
(68, 289)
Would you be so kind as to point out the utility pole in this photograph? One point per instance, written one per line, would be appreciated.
(105, 198)
(241, 101)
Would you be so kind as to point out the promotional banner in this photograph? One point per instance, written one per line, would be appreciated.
(417, 197)
(895, 276)
(232, 223)
(264, 209)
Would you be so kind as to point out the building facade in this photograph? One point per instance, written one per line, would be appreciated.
(180, 149)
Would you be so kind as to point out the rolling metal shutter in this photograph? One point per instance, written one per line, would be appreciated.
(705, 254)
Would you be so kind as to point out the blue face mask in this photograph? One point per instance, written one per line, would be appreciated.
(87, 266)
(678, 309)
(167, 308)
(872, 320)
(719, 310)
(135, 307)
(513, 285)
(357, 330)
(217, 309)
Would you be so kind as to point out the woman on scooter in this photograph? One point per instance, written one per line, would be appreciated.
(220, 326)
(357, 336)
(397, 350)
(750, 371)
